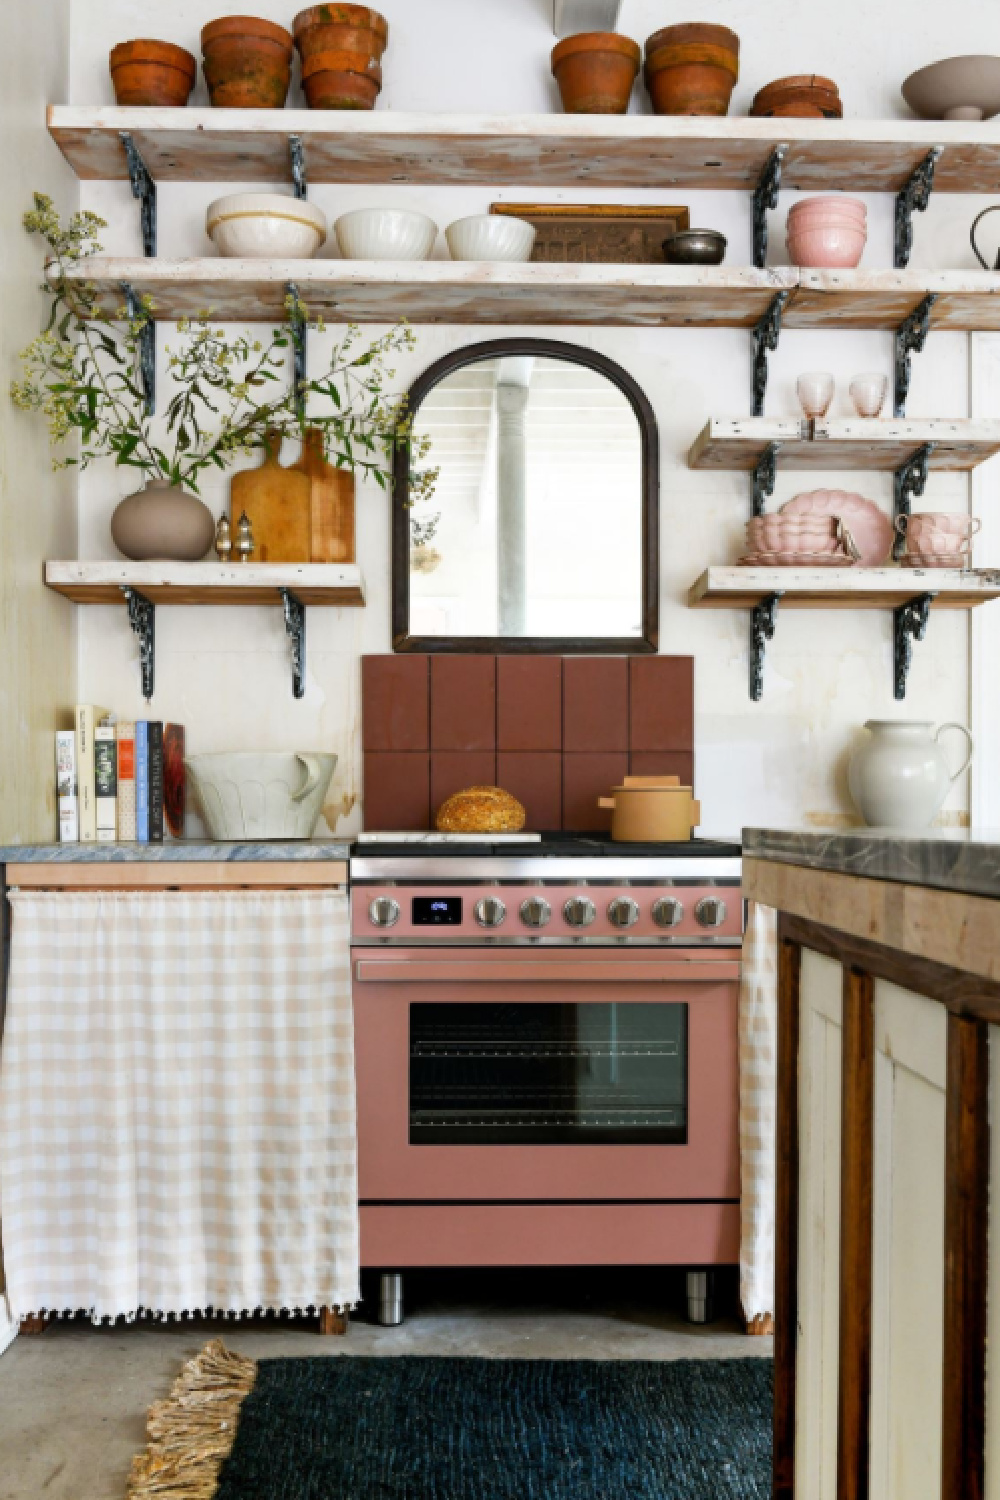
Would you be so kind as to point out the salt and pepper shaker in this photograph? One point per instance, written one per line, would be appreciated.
(223, 539)
(244, 538)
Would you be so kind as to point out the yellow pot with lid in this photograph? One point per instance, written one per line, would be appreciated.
(652, 810)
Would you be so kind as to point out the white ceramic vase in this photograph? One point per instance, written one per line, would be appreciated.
(899, 776)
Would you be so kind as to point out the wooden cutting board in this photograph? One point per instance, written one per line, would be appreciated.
(331, 503)
(278, 502)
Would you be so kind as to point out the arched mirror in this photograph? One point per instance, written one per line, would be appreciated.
(541, 532)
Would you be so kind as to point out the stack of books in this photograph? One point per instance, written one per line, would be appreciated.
(119, 781)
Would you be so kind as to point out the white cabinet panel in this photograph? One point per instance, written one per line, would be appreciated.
(820, 1050)
(908, 1285)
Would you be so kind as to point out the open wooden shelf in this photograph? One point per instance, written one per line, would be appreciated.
(330, 584)
(445, 291)
(843, 588)
(844, 443)
(543, 151)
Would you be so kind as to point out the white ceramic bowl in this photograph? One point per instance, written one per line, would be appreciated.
(265, 226)
(490, 237)
(385, 234)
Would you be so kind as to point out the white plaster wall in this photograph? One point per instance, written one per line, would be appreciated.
(37, 507)
(225, 672)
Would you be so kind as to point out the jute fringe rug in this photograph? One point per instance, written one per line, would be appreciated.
(356, 1427)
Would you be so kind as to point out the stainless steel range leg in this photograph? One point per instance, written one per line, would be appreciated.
(390, 1299)
(701, 1296)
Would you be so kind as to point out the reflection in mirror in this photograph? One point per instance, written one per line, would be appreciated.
(537, 526)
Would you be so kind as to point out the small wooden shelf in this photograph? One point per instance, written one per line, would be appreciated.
(843, 588)
(444, 291)
(326, 584)
(544, 151)
(844, 443)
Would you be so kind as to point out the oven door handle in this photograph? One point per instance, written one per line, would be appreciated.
(535, 971)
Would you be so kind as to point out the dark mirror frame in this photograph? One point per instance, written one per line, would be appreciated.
(403, 641)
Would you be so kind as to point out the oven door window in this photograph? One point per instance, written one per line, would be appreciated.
(517, 1075)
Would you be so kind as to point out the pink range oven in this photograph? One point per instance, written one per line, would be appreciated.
(546, 1055)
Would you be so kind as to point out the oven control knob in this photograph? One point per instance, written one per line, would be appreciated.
(490, 912)
(384, 912)
(667, 912)
(535, 912)
(579, 911)
(710, 912)
(623, 912)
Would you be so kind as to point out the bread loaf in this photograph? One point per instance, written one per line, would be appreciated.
(480, 809)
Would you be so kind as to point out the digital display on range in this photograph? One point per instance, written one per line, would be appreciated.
(437, 911)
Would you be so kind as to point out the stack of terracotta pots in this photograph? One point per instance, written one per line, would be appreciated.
(803, 96)
(151, 72)
(692, 69)
(595, 71)
(247, 62)
(341, 47)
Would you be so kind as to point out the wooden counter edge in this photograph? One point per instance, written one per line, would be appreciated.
(162, 874)
(951, 928)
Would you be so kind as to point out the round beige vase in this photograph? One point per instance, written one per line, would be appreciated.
(899, 776)
(162, 522)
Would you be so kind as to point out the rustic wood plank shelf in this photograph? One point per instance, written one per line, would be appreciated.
(843, 588)
(444, 291)
(629, 151)
(844, 443)
(965, 301)
(329, 584)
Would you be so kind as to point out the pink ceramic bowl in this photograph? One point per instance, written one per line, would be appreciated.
(925, 540)
(826, 248)
(947, 522)
(824, 221)
(781, 533)
(844, 208)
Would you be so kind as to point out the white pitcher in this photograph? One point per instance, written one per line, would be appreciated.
(899, 776)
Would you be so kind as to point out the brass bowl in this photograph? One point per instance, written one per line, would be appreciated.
(695, 247)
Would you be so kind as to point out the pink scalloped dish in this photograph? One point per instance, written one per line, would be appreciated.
(870, 528)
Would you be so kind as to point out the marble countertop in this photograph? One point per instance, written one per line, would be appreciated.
(959, 859)
(179, 850)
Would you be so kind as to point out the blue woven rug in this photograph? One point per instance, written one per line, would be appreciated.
(347, 1428)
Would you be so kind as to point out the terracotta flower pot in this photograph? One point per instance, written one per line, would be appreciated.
(162, 522)
(692, 69)
(341, 28)
(595, 72)
(248, 62)
(150, 72)
(341, 80)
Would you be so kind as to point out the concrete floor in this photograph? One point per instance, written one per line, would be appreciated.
(73, 1401)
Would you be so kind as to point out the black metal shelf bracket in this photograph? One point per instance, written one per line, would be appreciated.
(147, 346)
(765, 196)
(763, 619)
(295, 626)
(762, 477)
(913, 198)
(142, 618)
(909, 624)
(909, 479)
(765, 341)
(297, 324)
(911, 335)
(143, 188)
(297, 152)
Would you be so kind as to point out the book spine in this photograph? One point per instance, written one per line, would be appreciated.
(85, 772)
(142, 782)
(126, 782)
(155, 783)
(105, 784)
(69, 808)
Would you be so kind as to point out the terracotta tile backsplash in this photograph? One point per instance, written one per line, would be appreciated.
(557, 732)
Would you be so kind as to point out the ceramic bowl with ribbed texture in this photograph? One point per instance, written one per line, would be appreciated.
(490, 237)
(385, 234)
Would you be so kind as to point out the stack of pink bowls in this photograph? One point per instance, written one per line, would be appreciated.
(782, 540)
(827, 232)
